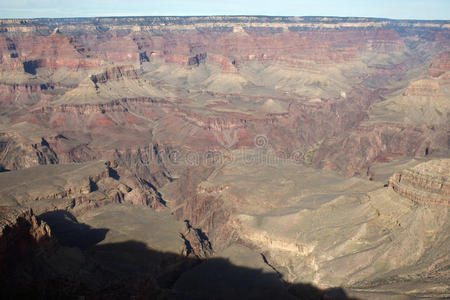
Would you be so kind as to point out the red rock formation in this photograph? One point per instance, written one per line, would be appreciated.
(54, 51)
(354, 153)
(440, 65)
(423, 87)
(115, 73)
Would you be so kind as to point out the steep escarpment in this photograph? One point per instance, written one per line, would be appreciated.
(412, 121)
(440, 64)
(28, 53)
(17, 154)
(425, 183)
(115, 73)
(21, 233)
(355, 153)
(79, 187)
(140, 252)
(299, 221)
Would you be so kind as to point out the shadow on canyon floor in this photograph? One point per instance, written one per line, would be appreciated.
(131, 270)
(2, 169)
(69, 232)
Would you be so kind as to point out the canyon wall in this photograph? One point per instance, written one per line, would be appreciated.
(155, 111)
(425, 183)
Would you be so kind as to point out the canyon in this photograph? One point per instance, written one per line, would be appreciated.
(224, 157)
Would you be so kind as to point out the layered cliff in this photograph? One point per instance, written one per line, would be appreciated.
(425, 183)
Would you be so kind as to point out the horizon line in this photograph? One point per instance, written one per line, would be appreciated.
(220, 15)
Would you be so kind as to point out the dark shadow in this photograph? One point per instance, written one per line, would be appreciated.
(30, 66)
(69, 232)
(143, 57)
(92, 186)
(131, 270)
(60, 136)
(2, 169)
(113, 173)
(44, 143)
(157, 194)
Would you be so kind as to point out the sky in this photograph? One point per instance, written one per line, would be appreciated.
(394, 9)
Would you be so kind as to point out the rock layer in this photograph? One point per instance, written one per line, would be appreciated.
(425, 183)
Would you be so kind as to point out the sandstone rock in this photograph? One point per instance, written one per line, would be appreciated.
(196, 242)
(115, 73)
(425, 183)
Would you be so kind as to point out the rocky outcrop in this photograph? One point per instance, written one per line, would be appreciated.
(440, 65)
(353, 154)
(198, 59)
(21, 233)
(196, 242)
(15, 153)
(50, 51)
(426, 183)
(115, 73)
(424, 87)
(78, 187)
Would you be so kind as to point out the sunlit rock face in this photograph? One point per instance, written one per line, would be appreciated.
(313, 148)
(425, 183)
